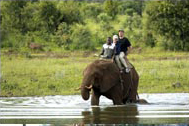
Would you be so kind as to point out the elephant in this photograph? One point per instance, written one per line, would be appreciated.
(104, 78)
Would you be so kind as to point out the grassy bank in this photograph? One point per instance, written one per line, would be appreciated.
(60, 73)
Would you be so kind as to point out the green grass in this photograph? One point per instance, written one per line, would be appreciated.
(41, 76)
(159, 76)
(61, 73)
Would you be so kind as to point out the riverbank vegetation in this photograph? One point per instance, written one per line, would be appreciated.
(45, 45)
(61, 73)
(81, 25)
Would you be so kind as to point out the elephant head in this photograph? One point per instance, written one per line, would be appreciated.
(100, 75)
(89, 78)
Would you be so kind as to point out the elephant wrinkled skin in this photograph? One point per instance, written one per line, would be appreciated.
(103, 77)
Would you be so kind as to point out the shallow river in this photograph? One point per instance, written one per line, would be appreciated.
(164, 109)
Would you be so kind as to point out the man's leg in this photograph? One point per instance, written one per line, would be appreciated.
(118, 62)
(122, 58)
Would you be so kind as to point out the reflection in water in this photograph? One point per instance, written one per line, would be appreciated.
(60, 110)
(109, 115)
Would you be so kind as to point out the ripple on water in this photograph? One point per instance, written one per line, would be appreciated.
(167, 108)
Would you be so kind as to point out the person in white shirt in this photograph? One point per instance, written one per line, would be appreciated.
(107, 49)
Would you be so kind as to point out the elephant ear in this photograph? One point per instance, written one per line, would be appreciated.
(110, 76)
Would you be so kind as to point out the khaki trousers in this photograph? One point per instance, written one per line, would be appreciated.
(120, 59)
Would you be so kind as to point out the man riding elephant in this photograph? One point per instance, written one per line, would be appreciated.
(107, 49)
(103, 77)
(125, 48)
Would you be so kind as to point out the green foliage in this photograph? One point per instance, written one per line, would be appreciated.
(168, 19)
(104, 17)
(60, 76)
(70, 12)
(92, 10)
(149, 39)
(48, 16)
(130, 7)
(11, 12)
(110, 8)
(14, 42)
(63, 35)
(53, 23)
(81, 37)
(31, 17)
(106, 29)
(136, 21)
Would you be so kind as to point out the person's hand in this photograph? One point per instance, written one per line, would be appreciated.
(129, 49)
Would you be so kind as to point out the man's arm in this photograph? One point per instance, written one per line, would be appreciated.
(102, 52)
(113, 55)
(129, 49)
(129, 46)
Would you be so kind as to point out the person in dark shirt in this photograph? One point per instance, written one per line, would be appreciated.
(117, 50)
(125, 47)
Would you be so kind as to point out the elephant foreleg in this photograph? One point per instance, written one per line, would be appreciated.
(117, 102)
(117, 99)
(95, 98)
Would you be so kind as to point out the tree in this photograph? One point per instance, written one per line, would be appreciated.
(70, 12)
(168, 19)
(63, 35)
(92, 10)
(110, 7)
(11, 12)
(48, 16)
(81, 37)
(130, 7)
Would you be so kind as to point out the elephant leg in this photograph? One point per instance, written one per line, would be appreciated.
(95, 98)
(117, 101)
(117, 97)
(135, 81)
(125, 100)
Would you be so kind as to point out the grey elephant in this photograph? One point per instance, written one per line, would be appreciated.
(104, 78)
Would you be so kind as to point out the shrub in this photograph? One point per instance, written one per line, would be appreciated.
(63, 35)
(81, 37)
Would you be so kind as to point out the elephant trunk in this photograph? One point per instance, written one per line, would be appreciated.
(85, 93)
(86, 87)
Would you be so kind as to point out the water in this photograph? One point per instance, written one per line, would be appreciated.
(163, 109)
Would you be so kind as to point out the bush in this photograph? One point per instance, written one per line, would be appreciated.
(168, 19)
(104, 17)
(69, 12)
(15, 40)
(81, 38)
(110, 7)
(63, 35)
(149, 40)
(92, 10)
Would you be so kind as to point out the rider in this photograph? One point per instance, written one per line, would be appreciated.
(117, 52)
(107, 49)
(125, 47)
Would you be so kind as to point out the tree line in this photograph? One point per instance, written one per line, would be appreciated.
(80, 25)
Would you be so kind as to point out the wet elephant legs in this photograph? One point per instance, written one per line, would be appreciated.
(116, 95)
(135, 81)
(117, 101)
(95, 98)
